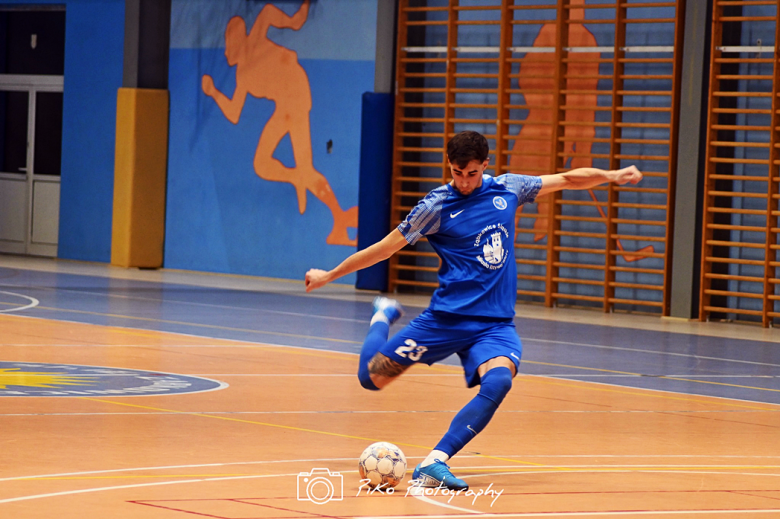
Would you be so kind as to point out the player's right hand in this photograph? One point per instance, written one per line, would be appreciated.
(628, 175)
(315, 278)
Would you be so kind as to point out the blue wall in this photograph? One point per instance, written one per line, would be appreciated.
(94, 40)
(220, 215)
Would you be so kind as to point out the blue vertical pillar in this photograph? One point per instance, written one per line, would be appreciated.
(376, 161)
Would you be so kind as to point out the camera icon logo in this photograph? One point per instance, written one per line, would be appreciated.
(320, 486)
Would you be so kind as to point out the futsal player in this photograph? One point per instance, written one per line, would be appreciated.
(469, 222)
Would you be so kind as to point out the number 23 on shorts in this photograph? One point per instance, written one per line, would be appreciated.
(411, 350)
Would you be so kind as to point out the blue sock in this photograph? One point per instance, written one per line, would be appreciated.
(376, 338)
(474, 417)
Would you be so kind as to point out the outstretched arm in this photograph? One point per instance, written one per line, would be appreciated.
(380, 251)
(272, 16)
(586, 178)
(230, 107)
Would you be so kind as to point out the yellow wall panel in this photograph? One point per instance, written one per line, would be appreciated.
(138, 227)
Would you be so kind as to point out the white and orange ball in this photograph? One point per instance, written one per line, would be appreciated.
(382, 464)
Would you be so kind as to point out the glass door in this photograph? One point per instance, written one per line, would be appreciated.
(30, 152)
(32, 64)
(14, 122)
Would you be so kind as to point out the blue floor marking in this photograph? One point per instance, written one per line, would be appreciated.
(336, 325)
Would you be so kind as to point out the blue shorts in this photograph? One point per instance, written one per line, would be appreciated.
(434, 336)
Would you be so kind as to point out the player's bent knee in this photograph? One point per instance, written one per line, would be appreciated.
(382, 367)
(365, 380)
(495, 384)
(369, 384)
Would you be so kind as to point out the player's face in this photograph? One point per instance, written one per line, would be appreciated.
(466, 180)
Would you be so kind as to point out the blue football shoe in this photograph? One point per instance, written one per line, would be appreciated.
(390, 307)
(438, 474)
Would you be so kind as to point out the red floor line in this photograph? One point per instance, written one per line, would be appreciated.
(310, 514)
(177, 509)
(744, 493)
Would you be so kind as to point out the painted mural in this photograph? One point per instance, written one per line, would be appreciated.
(532, 152)
(265, 111)
(254, 55)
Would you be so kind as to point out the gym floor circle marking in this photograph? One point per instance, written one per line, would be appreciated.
(33, 302)
(18, 379)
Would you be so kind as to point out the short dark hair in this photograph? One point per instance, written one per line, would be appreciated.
(467, 146)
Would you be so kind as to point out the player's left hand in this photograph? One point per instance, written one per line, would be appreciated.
(315, 278)
(628, 175)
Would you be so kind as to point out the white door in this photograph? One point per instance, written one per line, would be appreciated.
(30, 151)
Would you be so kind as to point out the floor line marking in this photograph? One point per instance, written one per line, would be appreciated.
(411, 411)
(619, 456)
(488, 471)
(279, 426)
(664, 377)
(184, 323)
(301, 429)
(195, 325)
(138, 485)
(204, 375)
(110, 295)
(719, 383)
(590, 471)
(350, 459)
(574, 514)
(501, 515)
(644, 375)
(651, 352)
(640, 392)
(33, 303)
(406, 375)
(722, 469)
(428, 500)
(200, 465)
(445, 368)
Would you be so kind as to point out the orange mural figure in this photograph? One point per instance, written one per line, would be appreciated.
(533, 149)
(267, 70)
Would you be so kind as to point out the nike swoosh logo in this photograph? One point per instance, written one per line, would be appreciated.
(472, 430)
(515, 356)
(453, 215)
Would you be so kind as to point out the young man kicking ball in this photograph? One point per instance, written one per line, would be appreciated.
(470, 223)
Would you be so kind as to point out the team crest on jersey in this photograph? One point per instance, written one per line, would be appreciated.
(499, 202)
(491, 241)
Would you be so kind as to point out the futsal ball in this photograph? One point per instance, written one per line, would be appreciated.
(382, 464)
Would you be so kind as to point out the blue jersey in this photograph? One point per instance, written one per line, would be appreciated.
(474, 236)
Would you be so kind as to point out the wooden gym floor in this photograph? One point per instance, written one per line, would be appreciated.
(160, 394)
